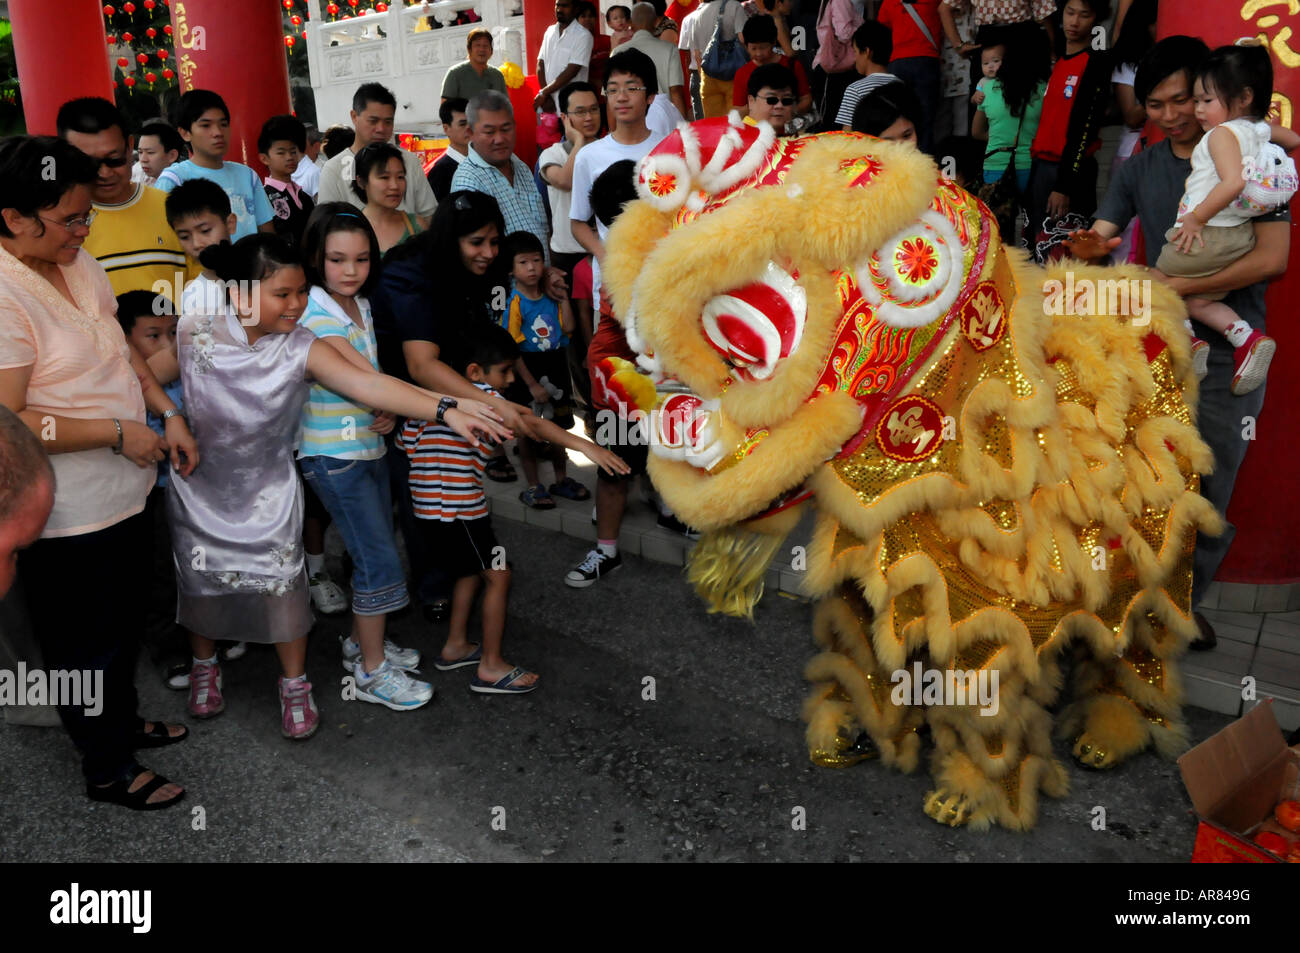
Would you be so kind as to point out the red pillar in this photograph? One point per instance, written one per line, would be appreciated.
(1264, 507)
(538, 15)
(61, 55)
(236, 49)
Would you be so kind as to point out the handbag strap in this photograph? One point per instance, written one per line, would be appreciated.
(1011, 163)
(916, 18)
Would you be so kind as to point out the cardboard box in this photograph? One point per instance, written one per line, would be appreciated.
(1235, 778)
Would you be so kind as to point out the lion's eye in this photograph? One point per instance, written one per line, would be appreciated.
(757, 326)
(915, 275)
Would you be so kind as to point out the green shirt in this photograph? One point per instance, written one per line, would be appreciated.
(1003, 126)
(462, 82)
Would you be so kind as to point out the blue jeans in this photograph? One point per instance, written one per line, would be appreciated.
(358, 499)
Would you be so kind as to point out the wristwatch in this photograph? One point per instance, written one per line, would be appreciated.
(444, 405)
(174, 412)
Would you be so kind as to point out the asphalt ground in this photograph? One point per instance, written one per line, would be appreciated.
(584, 769)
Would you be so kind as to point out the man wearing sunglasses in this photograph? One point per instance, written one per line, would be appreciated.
(771, 96)
(130, 236)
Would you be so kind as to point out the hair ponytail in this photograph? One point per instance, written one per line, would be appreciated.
(251, 258)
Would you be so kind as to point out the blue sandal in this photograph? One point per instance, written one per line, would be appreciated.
(505, 685)
(473, 658)
(537, 498)
(570, 489)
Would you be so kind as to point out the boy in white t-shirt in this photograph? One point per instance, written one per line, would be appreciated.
(630, 88)
(1227, 187)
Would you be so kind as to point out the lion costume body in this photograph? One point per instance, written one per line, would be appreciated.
(827, 321)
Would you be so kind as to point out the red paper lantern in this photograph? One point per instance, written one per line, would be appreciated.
(149, 4)
(295, 20)
(141, 58)
(123, 62)
(151, 77)
(127, 37)
(332, 9)
(130, 81)
(129, 8)
(112, 40)
(352, 4)
(381, 7)
(151, 33)
(109, 11)
(168, 29)
(168, 74)
(288, 4)
(162, 54)
(289, 41)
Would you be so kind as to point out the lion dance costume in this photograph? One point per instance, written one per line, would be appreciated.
(826, 321)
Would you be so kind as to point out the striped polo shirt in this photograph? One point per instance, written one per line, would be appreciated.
(446, 472)
(137, 247)
(333, 426)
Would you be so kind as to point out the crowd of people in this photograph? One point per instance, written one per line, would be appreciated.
(219, 366)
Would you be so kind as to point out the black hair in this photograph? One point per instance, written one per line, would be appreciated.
(323, 222)
(521, 243)
(375, 155)
(284, 128)
(455, 104)
(759, 29)
(1026, 62)
(134, 305)
(661, 6)
(1173, 54)
(1229, 71)
(884, 106)
(577, 86)
(252, 258)
(485, 343)
(336, 139)
(627, 12)
(194, 104)
(634, 63)
(612, 190)
(168, 137)
(313, 134)
(196, 197)
(37, 171)
(876, 37)
(967, 155)
(89, 115)
(584, 7)
(1100, 9)
(368, 93)
(458, 215)
(1135, 41)
(773, 76)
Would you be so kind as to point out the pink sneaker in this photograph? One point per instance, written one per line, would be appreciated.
(1252, 359)
(1200, 358)
(205, 691)
(298, 716)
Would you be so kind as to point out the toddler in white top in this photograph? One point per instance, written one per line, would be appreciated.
(1239, 172)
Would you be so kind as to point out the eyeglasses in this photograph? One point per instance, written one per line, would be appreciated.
(773, 100)
(71, 223)
(617, 90)
(588, 111)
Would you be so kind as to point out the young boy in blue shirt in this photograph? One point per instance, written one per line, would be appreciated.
(204, 122)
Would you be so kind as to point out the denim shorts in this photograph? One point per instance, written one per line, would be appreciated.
(357, 496)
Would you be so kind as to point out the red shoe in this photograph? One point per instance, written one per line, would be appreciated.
(1252, 359)
(299, 718)
(205, 691)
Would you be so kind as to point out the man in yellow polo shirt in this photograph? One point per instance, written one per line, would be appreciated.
(130, 236)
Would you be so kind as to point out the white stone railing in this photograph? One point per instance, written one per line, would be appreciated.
(399, 49)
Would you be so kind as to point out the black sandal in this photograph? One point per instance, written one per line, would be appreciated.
(500, 470)
(159, 737)
(119, 792)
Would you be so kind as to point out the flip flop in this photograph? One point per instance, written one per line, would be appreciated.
(473, 658)
(119, 793)
(500, 470)
(158, 737)
(504, 685)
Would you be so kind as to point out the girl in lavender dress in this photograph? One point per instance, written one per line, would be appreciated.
(237, 522)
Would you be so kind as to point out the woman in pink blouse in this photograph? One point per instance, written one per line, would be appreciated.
(68, 372)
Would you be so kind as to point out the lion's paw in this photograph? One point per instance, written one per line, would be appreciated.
(1113, 729)
(948, 807)
(1090, 752)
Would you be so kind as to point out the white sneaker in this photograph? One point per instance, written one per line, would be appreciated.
(235, 650)
(391, 687)
(406, 659)
(326, 595)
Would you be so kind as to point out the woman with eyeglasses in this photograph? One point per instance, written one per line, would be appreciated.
(66, 369)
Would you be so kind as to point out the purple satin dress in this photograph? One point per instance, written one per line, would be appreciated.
(236, 522)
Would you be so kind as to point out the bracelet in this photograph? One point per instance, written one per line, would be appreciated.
(118, 447)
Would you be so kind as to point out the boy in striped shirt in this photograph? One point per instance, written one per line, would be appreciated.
(447, 495)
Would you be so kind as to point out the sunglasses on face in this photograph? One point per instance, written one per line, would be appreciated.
(114, 162)
(783, 100)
